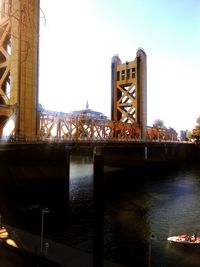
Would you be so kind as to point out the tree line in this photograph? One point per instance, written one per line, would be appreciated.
(193, 135)
(196, 131)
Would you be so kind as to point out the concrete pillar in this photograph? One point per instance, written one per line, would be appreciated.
(98, 191)
(145, 153)
(67, 183)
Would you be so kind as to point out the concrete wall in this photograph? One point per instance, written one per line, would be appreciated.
(155, 154)
(36, 168)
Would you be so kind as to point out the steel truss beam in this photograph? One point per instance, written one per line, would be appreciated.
(61, 126)
(7, 110)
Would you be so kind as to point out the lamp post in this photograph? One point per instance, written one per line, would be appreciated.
(46, 246)
(45, 210)
(151, 237)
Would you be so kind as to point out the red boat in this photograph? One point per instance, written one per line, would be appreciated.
(185, 239)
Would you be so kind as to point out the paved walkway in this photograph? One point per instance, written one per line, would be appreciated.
(8, 258)
(58, 253)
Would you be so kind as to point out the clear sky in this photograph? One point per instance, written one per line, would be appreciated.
(78, 39)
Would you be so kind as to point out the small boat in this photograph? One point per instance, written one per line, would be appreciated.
(184, 239)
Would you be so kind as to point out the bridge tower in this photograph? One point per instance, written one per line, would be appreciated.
(19, 28)
(129, 91)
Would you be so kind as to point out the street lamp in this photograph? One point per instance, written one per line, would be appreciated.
(45, 210)
(151, 237)
(46, 246)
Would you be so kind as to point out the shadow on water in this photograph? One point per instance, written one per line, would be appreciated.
(139, 202)
(126, 210)
(136, 203)
(184, 256)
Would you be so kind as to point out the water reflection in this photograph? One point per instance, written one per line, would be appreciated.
(126, 209)
(137, 203)
(175, 210)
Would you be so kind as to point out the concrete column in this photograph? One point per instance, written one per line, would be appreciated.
(98, 185)
(145, 152)
(67, 183)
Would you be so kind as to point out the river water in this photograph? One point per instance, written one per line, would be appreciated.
(137, 203)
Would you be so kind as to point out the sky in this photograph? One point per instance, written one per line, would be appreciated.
(78, 39)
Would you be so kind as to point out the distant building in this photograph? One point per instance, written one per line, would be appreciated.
(87, 113)
(183, 135)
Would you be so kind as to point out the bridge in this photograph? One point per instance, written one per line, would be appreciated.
(30, 123)
(25, 117)
(36, 155)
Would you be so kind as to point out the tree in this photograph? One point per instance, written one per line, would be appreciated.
(198, 120)
(196, 131)
(158, 123)
(171, 129)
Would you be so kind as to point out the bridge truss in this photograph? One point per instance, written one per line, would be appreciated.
(64, 127)
(61, 126)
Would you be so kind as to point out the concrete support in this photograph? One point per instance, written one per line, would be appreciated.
(98, 185)
(150, 154)
(67, 180)
(145, 152)
(36, 171)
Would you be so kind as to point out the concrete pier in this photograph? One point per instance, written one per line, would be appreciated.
(98, 196)
(34, 161)
(27, 165)
(148, 154)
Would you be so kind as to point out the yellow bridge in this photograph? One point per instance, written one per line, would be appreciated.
(19, 107)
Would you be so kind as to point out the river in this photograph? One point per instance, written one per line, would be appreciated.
(136, 204)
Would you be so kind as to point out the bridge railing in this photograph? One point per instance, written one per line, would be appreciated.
(38, 140)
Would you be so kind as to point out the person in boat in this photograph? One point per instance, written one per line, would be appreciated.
(193, 237)
(188, 238)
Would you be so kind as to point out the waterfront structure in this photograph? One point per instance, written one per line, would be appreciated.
(129, 91)
(19, 27)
